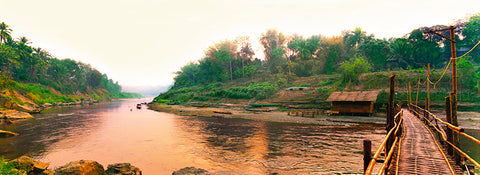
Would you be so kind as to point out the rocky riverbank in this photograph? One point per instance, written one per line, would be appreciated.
(9, 117)
(16, 112)
(27, 165)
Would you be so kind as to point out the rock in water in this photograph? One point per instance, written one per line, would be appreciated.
(47, 172)
(123, 169)
(81, 167)
(24, 162)
(191, 171)
(6, 134)
(30, 165)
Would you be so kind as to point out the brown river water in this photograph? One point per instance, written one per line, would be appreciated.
(160, 143)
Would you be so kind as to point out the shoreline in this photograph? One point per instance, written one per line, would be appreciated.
(272, 116)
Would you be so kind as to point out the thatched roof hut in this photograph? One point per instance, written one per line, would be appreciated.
(353, 102)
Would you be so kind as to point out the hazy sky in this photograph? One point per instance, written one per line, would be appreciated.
(142, 42)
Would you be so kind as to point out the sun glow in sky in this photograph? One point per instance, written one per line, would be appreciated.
(142, 42)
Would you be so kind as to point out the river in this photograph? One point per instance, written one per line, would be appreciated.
(159, 143)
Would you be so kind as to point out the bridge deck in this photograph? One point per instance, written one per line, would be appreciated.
(419, 153)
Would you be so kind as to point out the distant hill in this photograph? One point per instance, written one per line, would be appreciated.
(146, 91)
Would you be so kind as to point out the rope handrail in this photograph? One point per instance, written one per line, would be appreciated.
(455, 128)
(448, 65)
(469, 50)
(444, 138)
(443, 74)
(390, 152)
(382, 145)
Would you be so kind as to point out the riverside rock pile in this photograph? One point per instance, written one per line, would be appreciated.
(26, 165)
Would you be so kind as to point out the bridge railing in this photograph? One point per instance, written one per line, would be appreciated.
(460, 131)
(392, 133)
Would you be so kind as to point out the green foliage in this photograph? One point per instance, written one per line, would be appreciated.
(303, 68)
(352, 68)
(8, 168)
(274, 43)
(466, 73)
(377, 51)
(41, 94)
(240, 92)
(375, 81)
(471, 31)
(281, 83)
(351, 54)
(162, 101)
(34, 69)
(213, 92)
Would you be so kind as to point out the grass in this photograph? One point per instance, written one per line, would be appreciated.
(40, 94)
(8, 168)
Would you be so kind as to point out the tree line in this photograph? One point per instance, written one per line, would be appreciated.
(26, 64)
(352, 53)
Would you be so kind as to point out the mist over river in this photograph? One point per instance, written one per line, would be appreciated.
(160, 143)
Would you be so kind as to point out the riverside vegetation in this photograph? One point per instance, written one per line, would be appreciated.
(229, 72)
(32, 77)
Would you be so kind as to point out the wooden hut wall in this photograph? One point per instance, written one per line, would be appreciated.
(353, 107)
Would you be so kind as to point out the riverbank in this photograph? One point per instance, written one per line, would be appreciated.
(274, 115)
(27, 165)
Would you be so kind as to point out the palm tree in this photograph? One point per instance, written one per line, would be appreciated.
(24, 40)
(4, 32)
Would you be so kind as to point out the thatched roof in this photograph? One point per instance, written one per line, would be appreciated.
(354, 96)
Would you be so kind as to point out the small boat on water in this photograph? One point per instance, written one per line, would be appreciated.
(258, 110)
(222, 112)
(139, 106)
(263, 105)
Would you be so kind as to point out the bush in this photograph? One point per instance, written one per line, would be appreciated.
(354, 67)
(240, 92)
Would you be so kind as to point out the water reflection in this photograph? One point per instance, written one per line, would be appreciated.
(470, 147)
(36, 135)
(266, 147)
(160, 143)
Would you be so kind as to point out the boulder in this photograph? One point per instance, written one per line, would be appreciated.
(191, 171)
(40, 166)
(81, 167)
(47, 105)
(123, 169)
(24, 162)
(47, 172)
(14, 114)
(27, 163)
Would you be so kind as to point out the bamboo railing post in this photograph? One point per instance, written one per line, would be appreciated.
(367, 153)
(448, 112)
(390, 105)
(427, 106)
(410, 94)
(456, 142)
(425, 113)
(391, 115)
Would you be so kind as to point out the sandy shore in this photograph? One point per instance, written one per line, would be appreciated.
(272, 116)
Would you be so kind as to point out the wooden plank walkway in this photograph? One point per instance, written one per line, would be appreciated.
(419, 153)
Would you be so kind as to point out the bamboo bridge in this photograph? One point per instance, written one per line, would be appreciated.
(419, 142)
